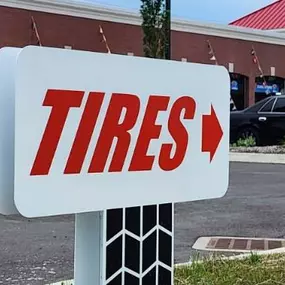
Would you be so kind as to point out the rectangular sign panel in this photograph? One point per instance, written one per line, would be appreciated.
(98, 131)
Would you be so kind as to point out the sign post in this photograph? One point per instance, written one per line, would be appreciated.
(95, 132)
(89, 248)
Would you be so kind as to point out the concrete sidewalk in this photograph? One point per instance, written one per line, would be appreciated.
(270, 158)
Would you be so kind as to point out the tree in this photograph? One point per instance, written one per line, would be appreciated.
(155, 27)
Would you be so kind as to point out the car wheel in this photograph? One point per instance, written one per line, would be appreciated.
(248, 132)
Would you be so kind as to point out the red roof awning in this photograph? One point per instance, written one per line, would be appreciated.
(270, 17)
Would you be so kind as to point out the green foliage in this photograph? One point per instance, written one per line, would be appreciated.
(253, 270)
(246, 142)
(155, 27)
(254, 258)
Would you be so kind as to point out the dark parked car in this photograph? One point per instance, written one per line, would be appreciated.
(264, 121)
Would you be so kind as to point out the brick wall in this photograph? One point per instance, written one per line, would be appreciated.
(83, 34)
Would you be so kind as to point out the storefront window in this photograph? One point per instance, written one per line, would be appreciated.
(267, 86)
(238, 90)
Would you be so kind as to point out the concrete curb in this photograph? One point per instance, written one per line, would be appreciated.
(265, 252)
(272, 158)
(240, 256)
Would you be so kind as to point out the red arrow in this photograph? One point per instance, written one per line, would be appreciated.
(212, 133)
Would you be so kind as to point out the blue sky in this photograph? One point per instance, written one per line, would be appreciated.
(218, 11)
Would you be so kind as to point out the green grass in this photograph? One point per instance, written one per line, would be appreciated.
(254, 270)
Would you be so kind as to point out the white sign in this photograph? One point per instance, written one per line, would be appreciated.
(8, 57)
(98, 131)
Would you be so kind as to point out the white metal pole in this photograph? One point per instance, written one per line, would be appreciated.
(88, 257)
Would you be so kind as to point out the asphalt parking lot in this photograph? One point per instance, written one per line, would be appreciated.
(40, 250)
(254, 206)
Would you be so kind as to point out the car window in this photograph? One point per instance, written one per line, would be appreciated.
(279, 106)
(267, 107)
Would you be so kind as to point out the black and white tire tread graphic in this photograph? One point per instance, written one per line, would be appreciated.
(139, 245)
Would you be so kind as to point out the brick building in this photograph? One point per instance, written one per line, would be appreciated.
(67, 24)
